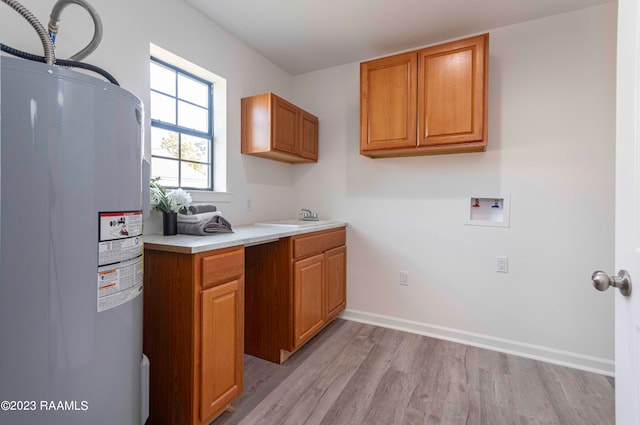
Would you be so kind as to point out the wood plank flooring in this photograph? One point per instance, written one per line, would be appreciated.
(352, 373)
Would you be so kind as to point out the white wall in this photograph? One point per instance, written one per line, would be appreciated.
(129, 27)
(551, 146)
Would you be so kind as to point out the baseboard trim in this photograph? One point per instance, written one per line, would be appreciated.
(537, 352)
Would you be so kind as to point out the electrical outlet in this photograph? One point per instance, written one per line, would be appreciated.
(404, 278)
(502, 264)
(249, 204)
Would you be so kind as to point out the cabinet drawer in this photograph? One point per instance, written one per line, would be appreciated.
(315, 243)
(220, 267)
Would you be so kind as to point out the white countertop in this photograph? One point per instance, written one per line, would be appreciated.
(242, 235)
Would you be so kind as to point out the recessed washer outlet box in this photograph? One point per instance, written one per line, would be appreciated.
(488, 210)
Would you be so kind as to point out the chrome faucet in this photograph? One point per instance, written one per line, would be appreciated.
(307, 215)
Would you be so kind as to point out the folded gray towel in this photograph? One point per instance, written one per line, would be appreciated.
(197, 218)
(202, 208)
(216, 224)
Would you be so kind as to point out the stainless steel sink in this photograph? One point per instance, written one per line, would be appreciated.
(293, 223)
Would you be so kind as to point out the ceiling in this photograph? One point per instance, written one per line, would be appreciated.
(307, 35)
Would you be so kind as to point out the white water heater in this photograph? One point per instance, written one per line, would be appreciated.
(71, 248)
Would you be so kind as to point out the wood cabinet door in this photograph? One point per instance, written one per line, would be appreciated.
(308, 298)
(308, 136)
(284, 125)
(388, 88)
(336, 280)
(452, 89)
(222, 347)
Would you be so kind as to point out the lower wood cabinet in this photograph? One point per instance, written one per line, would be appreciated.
(221, 319)
(294, 287)
(336, 270)
(193, 333)
(308, 300)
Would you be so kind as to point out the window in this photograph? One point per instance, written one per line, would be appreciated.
(181, 127)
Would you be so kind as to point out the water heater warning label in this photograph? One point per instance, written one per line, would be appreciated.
(120, 250)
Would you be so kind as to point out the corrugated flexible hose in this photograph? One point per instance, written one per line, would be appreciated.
(49, 49)
(49, 53)
(60, 62)
(56, 11)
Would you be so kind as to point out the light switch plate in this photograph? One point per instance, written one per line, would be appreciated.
(502, 264)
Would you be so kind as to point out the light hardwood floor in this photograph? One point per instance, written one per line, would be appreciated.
(352, 373)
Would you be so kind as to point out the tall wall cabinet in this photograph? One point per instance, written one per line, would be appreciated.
(428, 101)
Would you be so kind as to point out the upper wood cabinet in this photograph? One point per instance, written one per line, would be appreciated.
(388, 89)
(276, 129)
(309, 137)
(285, 122)
(429, 101)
